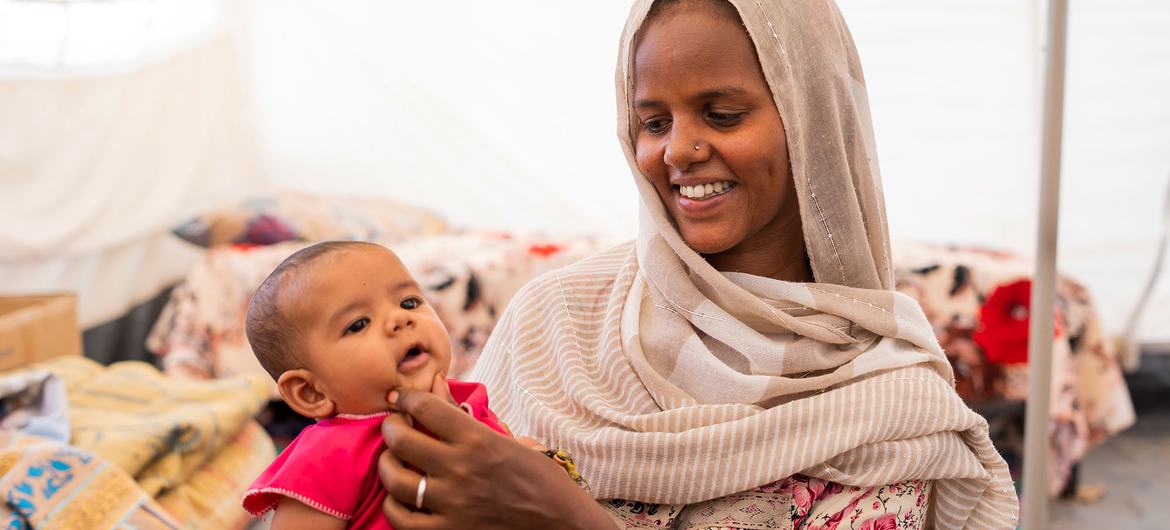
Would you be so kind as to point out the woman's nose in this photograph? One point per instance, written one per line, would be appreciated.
(684, 147)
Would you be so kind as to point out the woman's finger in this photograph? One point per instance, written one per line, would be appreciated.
(402, 517)
(440, 388)
(410, 446)
(401, 483)
(437, 415)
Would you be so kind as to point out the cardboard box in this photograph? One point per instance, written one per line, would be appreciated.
(35, 328)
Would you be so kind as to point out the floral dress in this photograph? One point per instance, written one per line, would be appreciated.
(795, 503)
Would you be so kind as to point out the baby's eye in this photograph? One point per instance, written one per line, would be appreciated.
(411, 303)
(356, 326)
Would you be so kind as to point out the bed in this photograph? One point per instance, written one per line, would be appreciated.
(977, 301)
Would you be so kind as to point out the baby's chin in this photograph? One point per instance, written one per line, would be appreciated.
(422, 379)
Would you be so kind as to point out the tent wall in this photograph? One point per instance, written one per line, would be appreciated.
(515, 99)
(117, 121)
(501, 114)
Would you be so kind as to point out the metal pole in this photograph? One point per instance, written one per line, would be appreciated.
(1040, 334)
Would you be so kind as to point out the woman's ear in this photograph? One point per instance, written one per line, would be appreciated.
(301, 390)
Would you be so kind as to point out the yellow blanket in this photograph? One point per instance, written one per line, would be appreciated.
(158, 429)
(210, 499)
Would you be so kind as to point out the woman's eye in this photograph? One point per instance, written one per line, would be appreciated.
(357, 326)
(656, 125)
(724, 119)
(411, 303)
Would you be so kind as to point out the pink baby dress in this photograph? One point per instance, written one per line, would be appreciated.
(333, 465)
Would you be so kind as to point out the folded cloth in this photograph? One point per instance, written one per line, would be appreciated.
(155, 428)
(34, 402)
(46, 485)
(210, 499)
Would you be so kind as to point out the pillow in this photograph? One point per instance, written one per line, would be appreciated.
(292, 216)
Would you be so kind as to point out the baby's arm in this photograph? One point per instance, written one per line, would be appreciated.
(292, 514)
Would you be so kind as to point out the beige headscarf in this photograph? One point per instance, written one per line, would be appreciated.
(675, 383)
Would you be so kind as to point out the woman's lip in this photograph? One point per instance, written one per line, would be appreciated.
(412, 364)
(694, 208)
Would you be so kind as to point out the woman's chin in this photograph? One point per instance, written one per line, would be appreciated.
(707, 241)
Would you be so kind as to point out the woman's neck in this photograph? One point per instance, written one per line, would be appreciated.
(776, 251)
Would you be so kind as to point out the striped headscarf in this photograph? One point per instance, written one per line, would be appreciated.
(672, 382)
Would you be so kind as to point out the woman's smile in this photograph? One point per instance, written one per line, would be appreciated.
(703, 201)
(700, 192)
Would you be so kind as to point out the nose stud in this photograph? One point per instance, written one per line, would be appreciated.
(696, 147)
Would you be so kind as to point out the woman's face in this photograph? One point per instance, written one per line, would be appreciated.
(709, 137)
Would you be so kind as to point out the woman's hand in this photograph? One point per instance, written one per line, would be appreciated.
(475, 477)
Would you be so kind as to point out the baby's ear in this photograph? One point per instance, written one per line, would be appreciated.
(300, 389)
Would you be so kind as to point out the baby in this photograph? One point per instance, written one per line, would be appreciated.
(338, 325)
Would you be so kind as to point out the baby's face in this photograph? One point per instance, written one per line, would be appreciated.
(365, 328)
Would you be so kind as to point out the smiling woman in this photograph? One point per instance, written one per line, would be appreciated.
(745, 363)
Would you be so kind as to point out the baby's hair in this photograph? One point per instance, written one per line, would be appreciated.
(274, 339)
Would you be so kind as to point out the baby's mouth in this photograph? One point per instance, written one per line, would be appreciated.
(414, 357)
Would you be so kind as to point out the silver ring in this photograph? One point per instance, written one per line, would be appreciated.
(422, 490)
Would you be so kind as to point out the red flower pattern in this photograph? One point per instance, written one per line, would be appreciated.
(1003, 323)
(544, 250)
(820, 505)
(888, 521)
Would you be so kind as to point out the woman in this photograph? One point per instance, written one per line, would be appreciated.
(699, 372)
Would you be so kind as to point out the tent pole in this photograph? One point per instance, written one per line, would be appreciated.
(1040, 333)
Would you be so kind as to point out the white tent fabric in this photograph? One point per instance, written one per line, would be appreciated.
(42, 39)
(473, 118)
(117, 121)
(503, 117)
(95, 155)
(529, 84)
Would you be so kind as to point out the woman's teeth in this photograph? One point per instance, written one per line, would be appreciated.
(705, 191)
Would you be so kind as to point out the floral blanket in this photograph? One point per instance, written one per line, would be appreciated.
(978, 301)
(467, 276)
